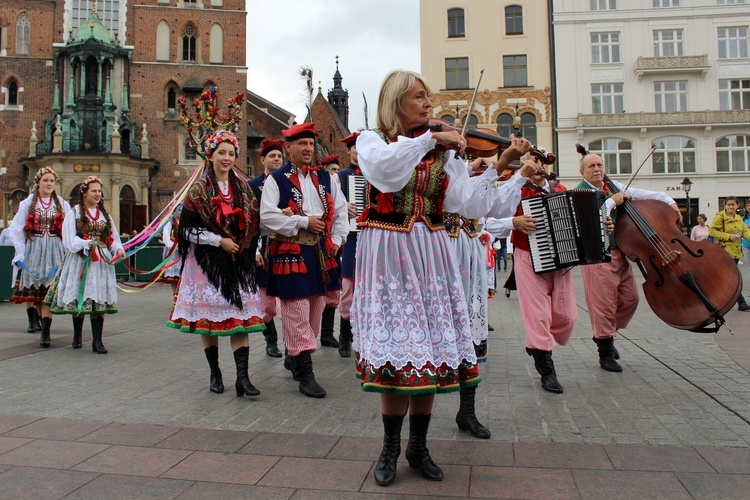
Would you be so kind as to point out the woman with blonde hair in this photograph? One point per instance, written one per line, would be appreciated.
(409, 316)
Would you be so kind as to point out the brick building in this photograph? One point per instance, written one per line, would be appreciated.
(113, 71)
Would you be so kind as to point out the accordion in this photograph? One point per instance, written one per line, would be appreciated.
(571, 229)
(357, 195)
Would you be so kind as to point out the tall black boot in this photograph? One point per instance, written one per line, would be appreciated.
(417, 453)
(606, 348)
(38, 320)
(326, 328)
(44, 338)
(97, 326)
(546, 368)
(466, 418)
(77, 332)
(302, 368)
(272, 337)
(345, 339)
(243, 385)
(216, 384)
(385, 469)
(32, 313)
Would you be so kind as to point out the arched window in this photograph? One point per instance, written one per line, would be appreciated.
(505, 125)
(23, 34)
(216, 47)
(456, 23)
(171, 99)
(733, 153)
(75, 195)
(189, 44)
(473, 121)
(448, 118)
(674, 155)
(162, 41)
(528, 126)
(617, 154)
(127, 193)
(12, 93)
(513, 20)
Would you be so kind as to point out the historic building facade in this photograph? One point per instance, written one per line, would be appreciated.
(93, 88)
(669, 73)
(509, 40)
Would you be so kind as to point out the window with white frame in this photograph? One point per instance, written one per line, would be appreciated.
(514, 20)
(515, 71)
(734, 94)
(667, 43)
(670, 96)
(456, 72)
(616, 153)
(732, 42)
(605, 48)
(603, 4)
(730, 2)
(674, 155)
(733, 153)
(456, 27)
(11, 99)
(607, 98)
(23, 34)
(108, 12)
(665, 4)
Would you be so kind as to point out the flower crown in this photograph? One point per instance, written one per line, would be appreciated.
(89, 180)
(217, 138)
(207, 117)
(42, 171)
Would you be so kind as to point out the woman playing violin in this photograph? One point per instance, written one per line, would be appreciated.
(409, 316)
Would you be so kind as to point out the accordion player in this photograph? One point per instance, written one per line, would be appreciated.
(571, 229)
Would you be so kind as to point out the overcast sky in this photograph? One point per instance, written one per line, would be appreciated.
(370, 37)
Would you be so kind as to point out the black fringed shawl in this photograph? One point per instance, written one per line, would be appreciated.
(226, 272)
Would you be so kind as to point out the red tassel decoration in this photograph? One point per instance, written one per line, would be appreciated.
(295, 267)
(302, 267)
(287, 269)
(384, 203)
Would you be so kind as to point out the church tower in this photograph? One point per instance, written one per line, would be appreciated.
(338, 97)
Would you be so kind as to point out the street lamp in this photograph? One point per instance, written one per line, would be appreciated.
(517, 122)
(686, 185)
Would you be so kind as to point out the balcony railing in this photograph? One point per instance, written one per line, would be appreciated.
(647, 119)
(674, 64)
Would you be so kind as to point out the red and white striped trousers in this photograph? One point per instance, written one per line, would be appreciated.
(300, 319)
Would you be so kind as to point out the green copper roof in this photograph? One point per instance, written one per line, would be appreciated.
(93, 28)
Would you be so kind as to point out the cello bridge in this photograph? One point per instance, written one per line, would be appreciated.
(671, 257)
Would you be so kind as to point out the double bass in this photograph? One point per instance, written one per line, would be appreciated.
(688, 284)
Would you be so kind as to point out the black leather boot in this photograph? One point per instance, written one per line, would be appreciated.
(77, 332)
(97, 326)
(385, 469)
(32, 314)
(289, 364)
(44, 338)
(466, 418)
(38, 320)
(243, 385)
(303, 371)
(326, 328)
(742, 304)
(272, 337)
(546, 368)
(417, 453)
(345, 339)
(606, 348)
(216, 384)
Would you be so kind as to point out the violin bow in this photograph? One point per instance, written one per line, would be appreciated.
(465, 126)
(630, 180)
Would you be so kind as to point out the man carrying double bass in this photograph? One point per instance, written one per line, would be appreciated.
(610, 289)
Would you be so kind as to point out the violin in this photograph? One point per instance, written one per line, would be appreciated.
(480, 142)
